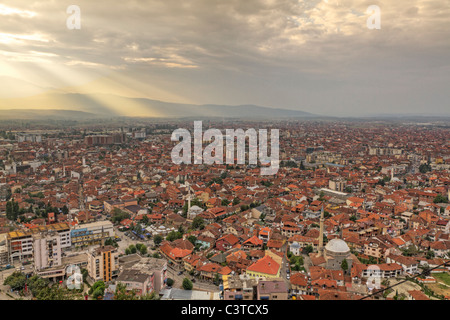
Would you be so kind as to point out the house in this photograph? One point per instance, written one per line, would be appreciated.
(440, 248)
(265, 267)
(409, 265)
(226, 242)
(252, 243)
(417, 295)
(271, 290)
(139, 281)
(299, 283)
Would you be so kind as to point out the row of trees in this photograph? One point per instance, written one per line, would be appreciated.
(42, 289)
(139, 247)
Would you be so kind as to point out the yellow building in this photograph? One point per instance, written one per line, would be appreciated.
(266, 267)
(103, 263)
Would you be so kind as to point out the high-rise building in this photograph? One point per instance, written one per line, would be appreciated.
(103, 263)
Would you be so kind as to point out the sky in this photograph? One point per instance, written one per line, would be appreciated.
(315, 56)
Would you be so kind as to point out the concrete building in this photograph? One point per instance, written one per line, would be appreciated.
(47, 250)
(145, 276)
(4, 254)
(272, 290)
(20, 242)
(103, 263)
(47, 255)
(91, 233)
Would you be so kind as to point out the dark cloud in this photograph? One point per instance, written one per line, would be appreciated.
(318, 56)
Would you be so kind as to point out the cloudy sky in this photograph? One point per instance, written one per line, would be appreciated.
(315, 56)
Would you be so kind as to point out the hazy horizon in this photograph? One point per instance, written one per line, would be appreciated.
(313, 56)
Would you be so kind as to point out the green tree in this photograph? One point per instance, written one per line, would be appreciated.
(192, 239)
(157, 239)
(119, 215)
(143, 250)
(174, 235)
(440, 199)
(97, 290)
(308, 249)
(132, 248)
(16, 281)
(187, 284)
(344, 265)
(198, 222)
(170, 282)
(122, 293)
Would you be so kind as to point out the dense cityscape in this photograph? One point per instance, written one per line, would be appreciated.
(98, 211)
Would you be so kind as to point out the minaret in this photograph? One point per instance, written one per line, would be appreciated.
(189, 198)
(322, 219)
(103, 238)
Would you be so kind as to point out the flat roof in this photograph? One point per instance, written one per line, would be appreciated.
(62, 226)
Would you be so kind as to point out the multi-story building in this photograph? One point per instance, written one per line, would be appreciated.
(47, 254)
(47, 250)
(103, 263)
(20, 242)
(145, 276)
(4, 256)
(272, 290)
(91, 233)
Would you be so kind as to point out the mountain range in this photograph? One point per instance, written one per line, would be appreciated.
(56, 105)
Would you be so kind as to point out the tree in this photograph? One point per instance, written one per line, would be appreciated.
(157, 239)
(321, 196)
(430, 254)
(174, 235)
(216, 279)
(440, 199)
(119, 215)
(16, 281)
(344, 265)
(198, 222)
(308, 249)
(37, 285)
(143, 249)
(65, 210)
(192, 239)
(187, 284)
(97, 290)
(12, 210)
(302, 166)
(170, 282)
(424, 168)
(132, 248)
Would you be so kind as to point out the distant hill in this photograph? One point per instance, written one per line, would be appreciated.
(41, 114)
(107, 106)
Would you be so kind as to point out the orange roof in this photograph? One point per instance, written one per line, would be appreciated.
(265, 265)
(254, 240)
(179, 253)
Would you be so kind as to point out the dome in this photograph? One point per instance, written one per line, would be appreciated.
(337, 245)
(295, 245)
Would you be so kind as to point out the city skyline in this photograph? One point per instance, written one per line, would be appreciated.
(313, 56)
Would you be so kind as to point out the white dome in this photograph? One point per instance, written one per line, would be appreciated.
(337, 245)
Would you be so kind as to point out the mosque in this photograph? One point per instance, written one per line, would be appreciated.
(332, 255)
